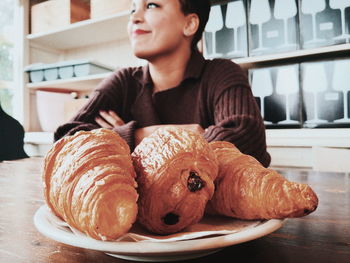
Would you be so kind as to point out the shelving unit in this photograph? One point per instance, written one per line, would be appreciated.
(302, 54)
(100, 38)
(320, 149)
(84, 33)
(103, 40)
(303, 147)
(87, 83)
(309, 137)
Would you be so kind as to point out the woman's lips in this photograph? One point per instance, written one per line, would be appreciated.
(139, 32)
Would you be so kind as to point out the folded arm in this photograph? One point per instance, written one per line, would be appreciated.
(90, 118)
(238, 120)
(112, 121)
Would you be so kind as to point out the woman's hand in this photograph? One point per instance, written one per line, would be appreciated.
(109, 120)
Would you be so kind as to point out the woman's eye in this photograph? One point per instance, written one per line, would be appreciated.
(148, 6)
(152, 5)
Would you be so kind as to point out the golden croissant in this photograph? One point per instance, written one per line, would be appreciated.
(89, 182)
(175, 174)
(247, 190)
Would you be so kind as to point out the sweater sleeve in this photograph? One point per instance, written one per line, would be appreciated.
(105, 97)
(237, 119)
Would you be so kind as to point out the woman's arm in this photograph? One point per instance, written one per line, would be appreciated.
(90, 118)
(84, 118)
(112, 120)
(238, 120)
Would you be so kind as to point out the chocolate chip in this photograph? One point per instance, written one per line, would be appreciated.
(170, 219)
(194, 182)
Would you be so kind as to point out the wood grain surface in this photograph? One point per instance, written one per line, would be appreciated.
(323, 236)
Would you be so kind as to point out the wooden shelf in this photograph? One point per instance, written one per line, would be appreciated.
(74, 84)
(84, 33)
(293, 54)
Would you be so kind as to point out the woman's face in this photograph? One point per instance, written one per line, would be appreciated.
(156, 28)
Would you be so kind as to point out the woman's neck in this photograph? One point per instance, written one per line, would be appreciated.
(168, 71)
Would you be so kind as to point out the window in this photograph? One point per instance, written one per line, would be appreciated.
(7, 87)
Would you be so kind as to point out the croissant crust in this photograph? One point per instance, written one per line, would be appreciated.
(247, 190)
(89, 182)
(175, 173)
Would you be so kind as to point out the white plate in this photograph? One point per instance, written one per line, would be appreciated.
(146, 250)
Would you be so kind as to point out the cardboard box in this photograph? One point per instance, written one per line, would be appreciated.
(55, 14)
(273, 26)
(277, 93)
(322, 100)
(326, 90)
(101, 8)
(226, 31)
(322, 24)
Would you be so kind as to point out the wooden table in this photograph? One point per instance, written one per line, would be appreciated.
(323, 236)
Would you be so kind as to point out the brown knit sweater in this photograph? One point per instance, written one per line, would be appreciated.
(214, 93)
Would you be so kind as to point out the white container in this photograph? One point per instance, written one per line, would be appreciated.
(36, 76)
(51, 74)
(50, 108)
(65, 69)
(66, 72)
(86, 68)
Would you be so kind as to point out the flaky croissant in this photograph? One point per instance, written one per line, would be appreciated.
(175, 173)
(244, 189)
(89, 182)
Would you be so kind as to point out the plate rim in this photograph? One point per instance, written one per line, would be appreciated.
(148, 248)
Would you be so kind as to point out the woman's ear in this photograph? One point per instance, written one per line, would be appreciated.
(192, 24)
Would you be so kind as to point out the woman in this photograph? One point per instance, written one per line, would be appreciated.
(177, 86)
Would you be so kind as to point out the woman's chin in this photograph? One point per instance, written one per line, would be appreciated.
(142, 54)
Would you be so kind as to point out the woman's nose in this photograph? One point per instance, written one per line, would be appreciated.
(136, 16)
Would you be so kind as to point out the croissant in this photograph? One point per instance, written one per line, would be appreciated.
(175, 170)
(244, 189)
(89, 182)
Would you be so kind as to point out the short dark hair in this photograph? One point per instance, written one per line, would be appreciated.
(202, 9)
